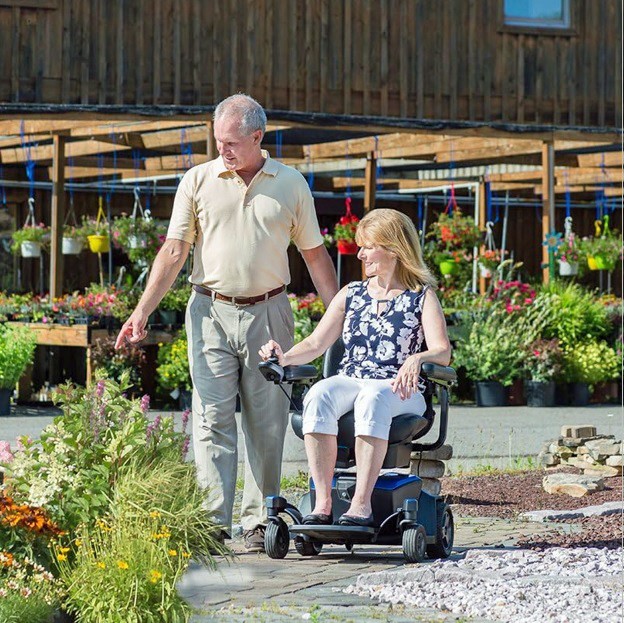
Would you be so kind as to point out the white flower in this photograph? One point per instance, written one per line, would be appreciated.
(359, 353)
(385, 350)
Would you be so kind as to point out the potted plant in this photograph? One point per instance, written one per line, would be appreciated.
(543, 364)
(173, 304)
(17, 349)
(140, 238)
(73, 239)
(344, 235)
(453, 237)
(587, 363)
(602, 252)
(489, 261)
(488, 348)
(172, 370)
(567, 254)
(30, 239)
(96, 232)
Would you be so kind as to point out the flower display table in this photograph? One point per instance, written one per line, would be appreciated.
(83, 336)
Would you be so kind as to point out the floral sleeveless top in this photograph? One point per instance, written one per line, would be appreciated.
(377, 345)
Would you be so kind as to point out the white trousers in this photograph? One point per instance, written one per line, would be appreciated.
(372, 400)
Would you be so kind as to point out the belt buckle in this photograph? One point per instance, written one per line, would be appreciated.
(240, 304)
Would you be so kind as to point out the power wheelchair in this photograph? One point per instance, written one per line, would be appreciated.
(404, 514)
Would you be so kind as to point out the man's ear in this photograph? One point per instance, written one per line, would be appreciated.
(257, 136)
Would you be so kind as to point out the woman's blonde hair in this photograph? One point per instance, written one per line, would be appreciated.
(395, 232)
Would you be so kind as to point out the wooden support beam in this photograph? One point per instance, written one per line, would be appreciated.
(57, 217)
(46, 152)
(548, 201)
(608, 159)
(122, 127)
(211, 144)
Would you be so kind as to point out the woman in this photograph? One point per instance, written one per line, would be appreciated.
(391, 323)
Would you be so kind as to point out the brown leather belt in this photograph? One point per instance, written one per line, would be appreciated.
(239, 300)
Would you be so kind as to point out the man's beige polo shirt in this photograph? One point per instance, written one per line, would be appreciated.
(241, 233)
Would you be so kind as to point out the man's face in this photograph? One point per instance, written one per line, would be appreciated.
(239, 152)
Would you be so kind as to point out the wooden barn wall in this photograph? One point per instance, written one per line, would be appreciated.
(436, 59)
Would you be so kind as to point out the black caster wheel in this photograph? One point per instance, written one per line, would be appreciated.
(276, 539)
(414, 544)
(307, 548)
(445, 533)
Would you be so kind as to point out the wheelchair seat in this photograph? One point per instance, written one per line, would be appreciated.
(404, 428)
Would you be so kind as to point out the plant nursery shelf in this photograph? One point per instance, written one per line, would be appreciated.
(83, 336)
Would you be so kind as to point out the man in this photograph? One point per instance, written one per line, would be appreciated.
(241, 211)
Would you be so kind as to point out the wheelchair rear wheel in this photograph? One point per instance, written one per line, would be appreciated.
(445, 532)
(307, 548)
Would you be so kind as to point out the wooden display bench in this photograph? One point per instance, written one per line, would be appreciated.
(83, 336)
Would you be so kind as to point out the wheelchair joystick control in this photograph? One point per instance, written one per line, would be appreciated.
(271, 370)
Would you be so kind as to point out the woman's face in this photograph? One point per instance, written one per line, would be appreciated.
(376, 260)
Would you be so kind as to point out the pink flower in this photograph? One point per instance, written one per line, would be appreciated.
(145, 403)
(6, 456)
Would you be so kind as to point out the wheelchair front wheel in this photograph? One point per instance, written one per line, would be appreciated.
(414, 544)
(276, 539)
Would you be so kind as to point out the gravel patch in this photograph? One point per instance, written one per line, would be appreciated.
(522, 586)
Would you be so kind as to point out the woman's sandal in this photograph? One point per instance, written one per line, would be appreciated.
(317, 520)
(360, 522)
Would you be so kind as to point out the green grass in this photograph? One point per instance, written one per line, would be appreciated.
(515, 466)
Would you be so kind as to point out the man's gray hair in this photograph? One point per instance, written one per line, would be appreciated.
(245, 108)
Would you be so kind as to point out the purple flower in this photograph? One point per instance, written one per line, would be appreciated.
(152, 427)
(185, 445)
(185, 418)
(145, 403)
(99, 390)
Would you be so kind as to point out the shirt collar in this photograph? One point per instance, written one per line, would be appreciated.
(269, 167)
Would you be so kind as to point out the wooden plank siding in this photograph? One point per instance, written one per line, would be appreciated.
(393, 58)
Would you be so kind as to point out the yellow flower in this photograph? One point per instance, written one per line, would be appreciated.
(186, 555)
(78, 543)
(63, 550)
(101, 565)
(173, 552)
(155, 576)
(154, 514)
(61, 557)
(122, 564)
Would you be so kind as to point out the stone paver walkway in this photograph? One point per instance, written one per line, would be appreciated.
(254, 587)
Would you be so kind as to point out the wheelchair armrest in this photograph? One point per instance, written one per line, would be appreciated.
(299, 373)
(442, 375)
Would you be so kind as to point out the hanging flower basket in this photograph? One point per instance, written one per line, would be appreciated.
(600, 262)
(568, 269)
(30, 249)
(99, 244)
(346, 248)
(72, 246)
(448, 267)
(138, 241)
(484, 272)
(344, 231)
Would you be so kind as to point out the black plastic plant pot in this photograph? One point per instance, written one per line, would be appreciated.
(490, 394)
(540, 394)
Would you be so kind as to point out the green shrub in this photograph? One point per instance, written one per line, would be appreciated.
(572, 313)
(591, 363)
(172, 371)
(17, 348)
(493, 344)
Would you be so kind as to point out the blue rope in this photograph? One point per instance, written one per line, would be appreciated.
(70, 164)
(30, 165)
(2, 188)
(378, 169)
(278, 143)
(488, 200)
(186, 150)
(109, 193)
(310, 175)
(420, 211)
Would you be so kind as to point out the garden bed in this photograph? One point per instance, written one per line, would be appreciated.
(508, 495)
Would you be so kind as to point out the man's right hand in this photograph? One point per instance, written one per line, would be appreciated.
(272, 349)
(133, 330)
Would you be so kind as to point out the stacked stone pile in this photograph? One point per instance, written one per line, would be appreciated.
(430, 467)
(598, 456)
